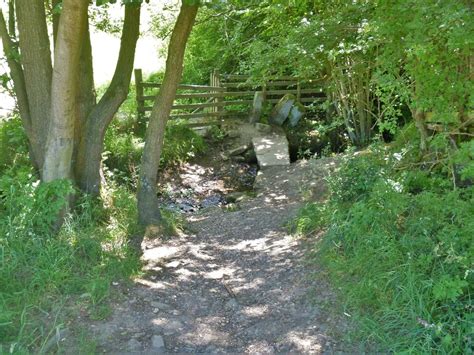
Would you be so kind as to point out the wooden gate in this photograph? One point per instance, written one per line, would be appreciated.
(227, 95)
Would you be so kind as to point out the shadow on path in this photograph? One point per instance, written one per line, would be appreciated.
(237, 284)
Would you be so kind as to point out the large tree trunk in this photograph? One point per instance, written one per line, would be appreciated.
(148, 209)
(60, 142)
(36, 61)
(90, 150)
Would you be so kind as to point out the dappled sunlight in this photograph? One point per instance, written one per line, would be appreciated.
(305, 342)
(236, 283)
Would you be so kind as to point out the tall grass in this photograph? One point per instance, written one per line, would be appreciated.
(41, 271)
(401, 255)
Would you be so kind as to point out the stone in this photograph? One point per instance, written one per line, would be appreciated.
(211, 201)
(238, 151)
(238, 159)
(133, 345)
(282, 109)
(250, 156)
(231, 305)
(157, 342)
(271, 150)
(204, 131)
(234, 197)
(297, 112)
(160, 305)
(257, 107)
(263, 128)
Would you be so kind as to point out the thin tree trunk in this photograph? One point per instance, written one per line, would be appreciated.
(60, 142)
(36, 61)
(419, 116)
(86, 95)
(90, 150)
(16, 73)
(56, 15)
(11, 19)
(148, 209)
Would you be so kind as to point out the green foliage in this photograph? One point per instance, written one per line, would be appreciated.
(181, 145)
(39, 270)
(402, 256)
(13, 144)
(124, 141)
(123, 149)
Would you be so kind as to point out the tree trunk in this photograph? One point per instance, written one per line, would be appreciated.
(17, 76)
(419, 116)
(86, 95)
(90, 149)
(11, 19)
(60, 142)
(56, 15)
(148, 209)
(37, 67)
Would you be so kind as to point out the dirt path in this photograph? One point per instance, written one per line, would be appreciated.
(236, 283)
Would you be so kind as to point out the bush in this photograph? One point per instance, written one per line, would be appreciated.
(39, 269)
(403, 260)
(123, 150)
(13, 144)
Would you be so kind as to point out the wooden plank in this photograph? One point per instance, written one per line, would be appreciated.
(220, 94)
(205, 95)
(240, 85)
(314, 93)
(282, 83)
(295, 92)
(281, 92)
(207, 114)
(202, 124)
(312, 99)
(211, 104)
(139, 90)
(244, 76)
(303, 100)
(235, 76)
(187, 87)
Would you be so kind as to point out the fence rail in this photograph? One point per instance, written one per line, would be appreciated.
(226, 95)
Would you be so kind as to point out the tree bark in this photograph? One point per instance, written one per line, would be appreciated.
(420, 123)
(86, 95)
(37, 67)
(17, 76)
(11, 19)
(90, 149)
(60, 142)
(148, 209)
(56, 16)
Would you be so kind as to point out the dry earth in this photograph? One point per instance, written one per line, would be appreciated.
(237, 282)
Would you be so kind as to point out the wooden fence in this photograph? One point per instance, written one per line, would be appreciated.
(226, 95)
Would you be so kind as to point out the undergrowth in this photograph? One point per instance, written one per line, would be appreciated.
(45, 274)
(125, 139)
(399, 244)
(41, 271)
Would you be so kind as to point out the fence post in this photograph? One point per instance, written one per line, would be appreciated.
(216, 81)
(139, 89)
(298, 91)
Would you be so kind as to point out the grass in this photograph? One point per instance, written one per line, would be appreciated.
(44, 275)
(401, 256)
(41, 272)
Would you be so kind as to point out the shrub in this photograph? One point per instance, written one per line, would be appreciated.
(123, 150)
(402, 259)
(39, 270)
(13, 144)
